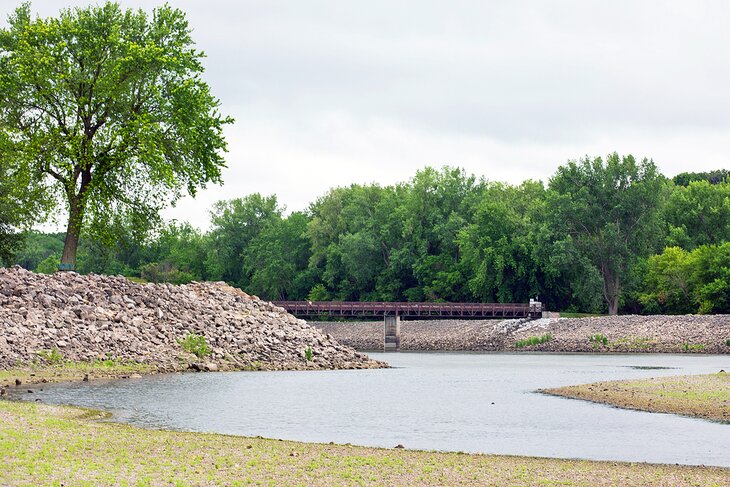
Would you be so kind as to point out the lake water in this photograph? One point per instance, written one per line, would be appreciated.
(437, 401)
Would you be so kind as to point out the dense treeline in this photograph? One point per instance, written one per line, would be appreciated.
(602, 235)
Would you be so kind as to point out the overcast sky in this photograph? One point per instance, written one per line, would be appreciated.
(328, 93)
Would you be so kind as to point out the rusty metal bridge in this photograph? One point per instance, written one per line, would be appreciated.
(412, 310)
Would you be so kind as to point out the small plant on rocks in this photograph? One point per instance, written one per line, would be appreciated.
(308, 354)
(598, 339)
(693, 347)
(534, 340)
(195, 344)
(52, 357)
(727, 342)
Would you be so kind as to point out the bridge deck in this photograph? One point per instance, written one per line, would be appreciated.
(433, 310)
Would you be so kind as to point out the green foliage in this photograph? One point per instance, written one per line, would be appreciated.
(678, 281)
(698, 214)
(693, 347)
(318, 293)
(533, 341)
(598, 340)
(10, 239)
(165, 272)
(195, 344)
(235, 225)
(631, 343)
(727, 342)
(570, 314)
(498, 250)
(278, 259)
(712, 177)
(608, 213)
(444, 236)
(105, 113)
(10, 242)
(51, 357)
(357, 247)
(49, 265)
(667, 280)
(20, 201)
(308, 354)
(37, 247)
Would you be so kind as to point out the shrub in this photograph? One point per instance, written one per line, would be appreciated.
(52, 357)
(727, 342)
(164, 272)
(195, 344)
(678, 281)
(308, 354)
(49, 265)
(693, 347)
(318, 293)
(534, 340)
(598, 339)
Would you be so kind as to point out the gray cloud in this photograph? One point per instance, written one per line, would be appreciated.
(329, 92)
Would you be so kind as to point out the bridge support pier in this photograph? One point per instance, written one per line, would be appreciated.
(391, 342)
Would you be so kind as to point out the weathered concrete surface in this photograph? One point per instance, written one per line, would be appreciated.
(631, 333)
(90, 317)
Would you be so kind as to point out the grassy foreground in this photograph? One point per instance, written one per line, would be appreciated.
(703, 396)
(53, 445)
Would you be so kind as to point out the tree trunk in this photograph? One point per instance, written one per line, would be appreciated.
(613, 292)
(613, 305)
(73, 231)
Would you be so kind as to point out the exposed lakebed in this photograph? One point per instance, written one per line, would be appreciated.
(441, 401)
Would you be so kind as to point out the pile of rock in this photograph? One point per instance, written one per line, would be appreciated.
(631, 333)
(634, 333)
(90, 317)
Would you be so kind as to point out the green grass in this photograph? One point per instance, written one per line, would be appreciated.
(568, 314)
(633, 343)
(693, 347)
(533, 341)
(51, 445)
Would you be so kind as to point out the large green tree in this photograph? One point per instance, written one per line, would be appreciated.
(435, 209)
(106, 108)
(354, 234)
(609, 213)
(236, 223)
(278, 258)
(498, 255)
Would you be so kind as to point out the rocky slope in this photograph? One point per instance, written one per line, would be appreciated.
(630, 333)
(98, 317)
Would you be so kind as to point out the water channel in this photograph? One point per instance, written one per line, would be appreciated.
(438, 401)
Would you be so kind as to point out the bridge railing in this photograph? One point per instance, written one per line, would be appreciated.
(444, 310)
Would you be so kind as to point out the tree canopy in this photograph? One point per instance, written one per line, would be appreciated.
(21, 198)
(609, 212)
(104, 109)
(444, 235)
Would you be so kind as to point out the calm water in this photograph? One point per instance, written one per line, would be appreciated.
(439, 401)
